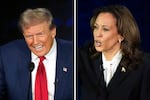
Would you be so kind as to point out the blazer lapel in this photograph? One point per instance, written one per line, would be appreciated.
(98, 68)
(120, 74)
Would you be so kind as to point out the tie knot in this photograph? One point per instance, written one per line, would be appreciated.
(42, 58)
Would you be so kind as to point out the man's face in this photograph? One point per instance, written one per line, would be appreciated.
(39, 38)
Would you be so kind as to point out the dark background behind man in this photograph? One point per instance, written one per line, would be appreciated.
(10, 10)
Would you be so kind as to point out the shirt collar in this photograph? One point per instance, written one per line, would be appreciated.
(117, 57)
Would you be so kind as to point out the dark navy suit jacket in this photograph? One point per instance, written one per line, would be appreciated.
(15, 75)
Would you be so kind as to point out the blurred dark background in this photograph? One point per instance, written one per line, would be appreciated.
(62, 11)
(139, 8)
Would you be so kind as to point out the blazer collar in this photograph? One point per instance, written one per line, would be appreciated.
(98, 68)
(121, 73)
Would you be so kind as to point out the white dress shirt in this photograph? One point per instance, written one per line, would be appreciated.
(111, 66)
(50, 67)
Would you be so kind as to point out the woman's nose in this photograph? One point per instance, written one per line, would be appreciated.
(98, 33)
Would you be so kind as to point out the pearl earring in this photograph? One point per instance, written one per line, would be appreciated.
(119, 41)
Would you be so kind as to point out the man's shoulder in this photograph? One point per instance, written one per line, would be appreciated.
(64, 44)
(14, 44)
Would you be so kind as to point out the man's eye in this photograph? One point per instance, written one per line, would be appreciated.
(28, 36)
(40, 34)
(105, 29)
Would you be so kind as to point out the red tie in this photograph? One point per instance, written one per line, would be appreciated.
(41, 91)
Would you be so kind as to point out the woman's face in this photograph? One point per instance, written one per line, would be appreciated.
(106, 36)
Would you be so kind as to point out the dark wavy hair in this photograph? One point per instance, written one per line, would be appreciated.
(127, 28)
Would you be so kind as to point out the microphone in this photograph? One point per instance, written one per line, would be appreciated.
(101, 68)
(101, 64)
(56, 81)
(31, 68)
(101, 80)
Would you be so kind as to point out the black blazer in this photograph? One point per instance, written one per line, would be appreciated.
(125, 84)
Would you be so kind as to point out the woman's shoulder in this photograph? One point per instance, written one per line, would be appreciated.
(85, 47)
(146, 57)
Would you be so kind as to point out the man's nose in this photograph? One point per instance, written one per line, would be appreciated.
(35, 39)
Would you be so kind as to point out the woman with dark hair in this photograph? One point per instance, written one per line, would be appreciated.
(113, 67)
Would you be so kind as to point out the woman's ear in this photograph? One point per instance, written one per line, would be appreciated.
(121, 38)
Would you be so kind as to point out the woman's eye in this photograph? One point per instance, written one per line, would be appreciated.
(95, 27)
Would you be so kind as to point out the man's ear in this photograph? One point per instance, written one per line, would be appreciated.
(52, 26)
(53, 32)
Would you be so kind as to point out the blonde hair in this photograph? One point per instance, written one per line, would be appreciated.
(35, 16)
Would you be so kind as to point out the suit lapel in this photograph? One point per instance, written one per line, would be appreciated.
(59, 77)
(24, 73)
(98, 68)
(62, 71)
(24, 80)
(120, 74)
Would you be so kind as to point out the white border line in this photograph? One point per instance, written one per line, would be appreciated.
(75, 45)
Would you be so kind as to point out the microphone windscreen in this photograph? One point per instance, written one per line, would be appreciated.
(31, 66)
